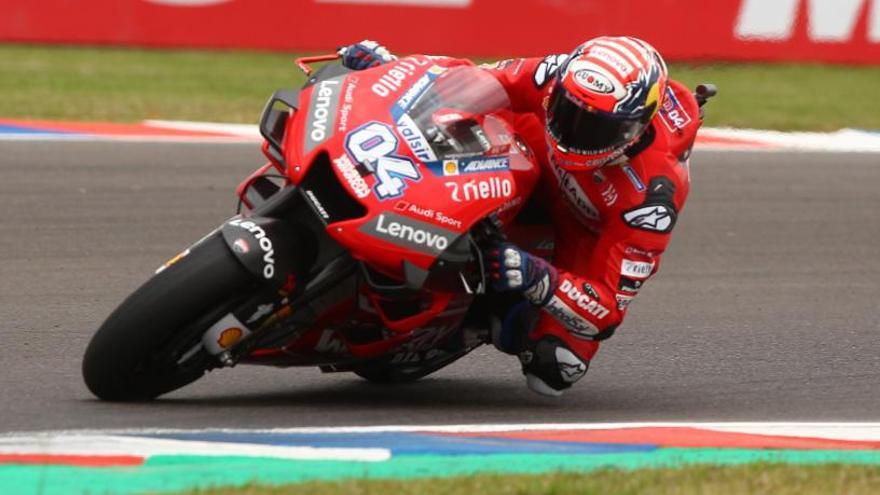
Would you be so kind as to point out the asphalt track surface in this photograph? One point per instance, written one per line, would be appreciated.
(766, 308)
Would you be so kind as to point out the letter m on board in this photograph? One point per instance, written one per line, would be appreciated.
(828, 21)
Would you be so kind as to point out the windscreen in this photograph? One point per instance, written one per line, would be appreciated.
(459, 114)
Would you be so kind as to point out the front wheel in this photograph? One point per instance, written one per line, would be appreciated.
(144, 349)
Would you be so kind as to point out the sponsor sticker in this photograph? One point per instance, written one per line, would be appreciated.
(641, 252)
(374, 145)
(409, 233)
(589, 289)
(263, 241)
(321, 119)
(429, 213)
(352, 176)
(611, 58)
(634, 178)
(348, 102)
(673, 114)
(576, 325)
(546, 70)
(229, 337)
(630, 285)
(414, 138)
(241, 246)
(458, 166)
(575, 194)
(636, 269)
(223, 334)
(472, 190)
(396, 74)
(450, 167)
(571, 368)
(609, 194)
(414, 92)
(582, 300)
(654, 218)
(317, 204)
(471, 165)
(623, 301)
(593, 81)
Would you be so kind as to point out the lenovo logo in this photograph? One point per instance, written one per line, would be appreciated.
(322, 113)
(828, 21)
(410, 233)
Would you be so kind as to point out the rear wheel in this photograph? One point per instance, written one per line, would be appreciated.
(145, 348)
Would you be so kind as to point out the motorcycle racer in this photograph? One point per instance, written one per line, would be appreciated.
(618, 134)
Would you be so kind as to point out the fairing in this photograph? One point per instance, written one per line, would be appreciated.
(423, 147)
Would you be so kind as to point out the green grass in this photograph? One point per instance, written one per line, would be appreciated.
(776, 479)
(112, 84)
(119, 85)
(789, 97)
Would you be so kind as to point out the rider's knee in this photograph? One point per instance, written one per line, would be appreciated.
(551, 367)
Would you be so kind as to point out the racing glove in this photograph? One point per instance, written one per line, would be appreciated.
(364, 55)
(513, 269)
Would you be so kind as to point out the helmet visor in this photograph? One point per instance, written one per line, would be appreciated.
(580, 130)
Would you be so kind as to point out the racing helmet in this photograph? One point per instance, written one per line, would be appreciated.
(602, 101)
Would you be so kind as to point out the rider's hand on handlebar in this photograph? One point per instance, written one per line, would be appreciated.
(364, 55)
(512, 269)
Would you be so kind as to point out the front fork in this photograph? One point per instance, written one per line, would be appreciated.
(283, 245)
(273, 316)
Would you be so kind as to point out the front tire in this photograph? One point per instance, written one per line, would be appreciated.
(135, 354)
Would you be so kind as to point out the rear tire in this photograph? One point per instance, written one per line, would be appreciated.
(134, 354)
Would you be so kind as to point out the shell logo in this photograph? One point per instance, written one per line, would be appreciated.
(188, 3)
(450, 167)
(230, 337)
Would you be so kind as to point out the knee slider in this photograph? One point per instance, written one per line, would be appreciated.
(552, 367)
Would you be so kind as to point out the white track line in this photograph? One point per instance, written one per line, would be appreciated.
(240, 130)
(113, 445)
(83, 138)
(846, 140)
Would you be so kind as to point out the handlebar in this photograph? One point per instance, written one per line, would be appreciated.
(303, 62)
(705, 91)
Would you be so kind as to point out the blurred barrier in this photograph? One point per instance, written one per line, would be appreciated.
(756, 30)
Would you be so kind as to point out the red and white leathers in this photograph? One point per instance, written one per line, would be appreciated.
(612, 224)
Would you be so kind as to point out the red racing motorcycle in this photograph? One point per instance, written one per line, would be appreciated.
(357, 246)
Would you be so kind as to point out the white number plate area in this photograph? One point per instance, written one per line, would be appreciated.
(374, 145)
